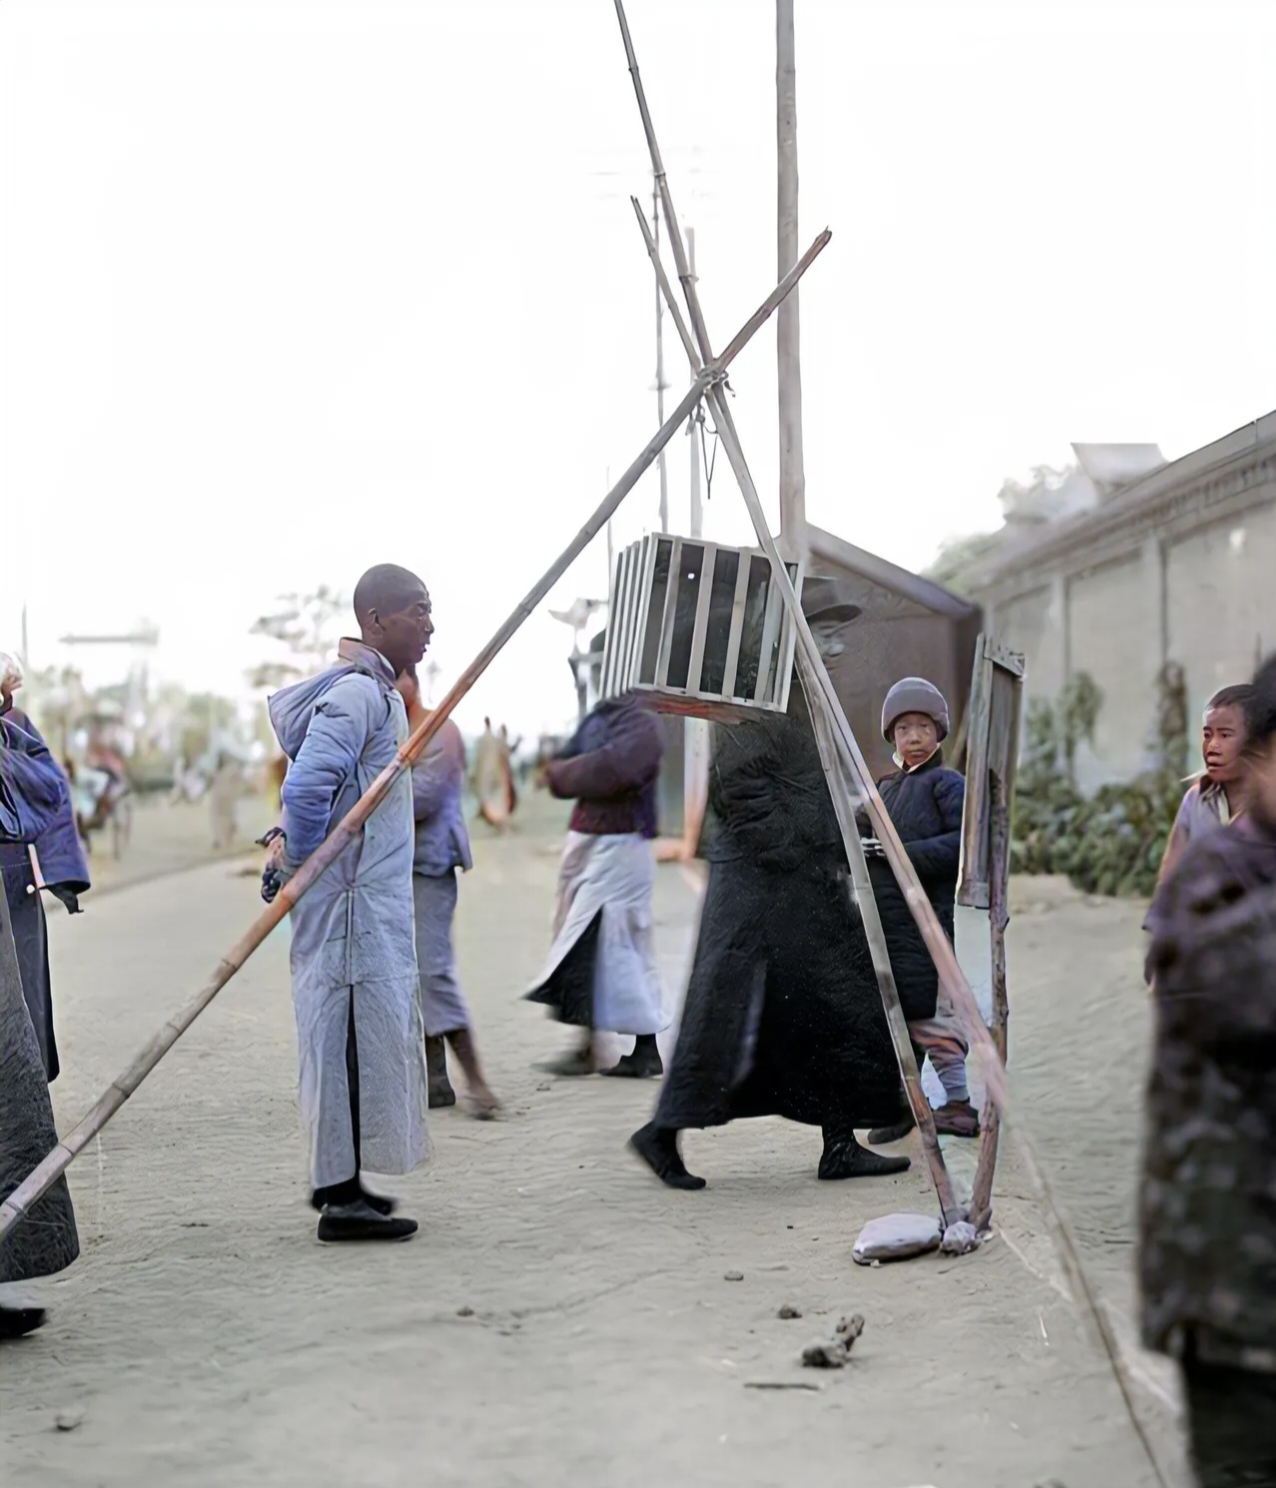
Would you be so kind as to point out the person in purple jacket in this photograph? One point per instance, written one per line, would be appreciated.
(601, 973)
(442, 848)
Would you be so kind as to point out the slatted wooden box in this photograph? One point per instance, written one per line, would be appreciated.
(700, 627)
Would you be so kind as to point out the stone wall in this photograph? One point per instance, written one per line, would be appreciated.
(1180, 567)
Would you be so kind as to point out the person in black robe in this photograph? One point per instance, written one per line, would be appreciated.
(783, 1014)
(59, 851)
(33, 795)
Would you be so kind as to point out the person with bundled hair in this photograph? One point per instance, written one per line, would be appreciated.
(1214, 797)
(1208, 1216)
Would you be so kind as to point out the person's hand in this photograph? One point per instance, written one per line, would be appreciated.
(274, 875)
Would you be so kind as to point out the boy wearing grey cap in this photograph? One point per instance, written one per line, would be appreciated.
(924, 800)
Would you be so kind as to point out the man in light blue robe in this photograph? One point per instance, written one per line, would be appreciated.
(354, 971)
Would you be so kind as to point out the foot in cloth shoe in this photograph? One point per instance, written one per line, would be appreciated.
(439, 1087)
(17, 1322)
(643, 1064)
(883, 1136)
(360, 1221)
(578, 1062)
(845, 1158)
(319, 1201)
(957, 1118)
(658, 1148)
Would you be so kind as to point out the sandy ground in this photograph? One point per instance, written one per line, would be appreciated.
(562, 1318)
(170, 838)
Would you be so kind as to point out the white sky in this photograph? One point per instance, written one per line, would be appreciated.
(287, 289)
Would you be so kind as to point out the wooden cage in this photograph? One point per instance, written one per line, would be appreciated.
(700, 627)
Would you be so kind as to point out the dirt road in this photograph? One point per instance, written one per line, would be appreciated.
(561, 1319)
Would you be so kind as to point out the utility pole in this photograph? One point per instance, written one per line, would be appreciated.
(788, 346)
(696, 422)
(660, 366)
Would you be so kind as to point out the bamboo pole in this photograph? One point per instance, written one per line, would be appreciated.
(787, 333)
(19, 1202)
(951, 975)
(861, 893)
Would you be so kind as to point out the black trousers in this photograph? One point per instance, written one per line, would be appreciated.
(1232, 1419)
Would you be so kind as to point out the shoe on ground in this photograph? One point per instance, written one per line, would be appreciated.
(957, 1119)
(360, 1221)
(17, 1322)
(883, 1136)
(640, 1065)
(659, 1150)
(441, 1094)
(380, 1202)
(845, 1158)
(575, 1063)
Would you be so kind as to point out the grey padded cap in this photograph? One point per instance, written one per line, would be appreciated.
(914, 695)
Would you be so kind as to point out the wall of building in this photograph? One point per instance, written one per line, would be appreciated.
(1221, 601)
(1201, 591)
(1110, 626)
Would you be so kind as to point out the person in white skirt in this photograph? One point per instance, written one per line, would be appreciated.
(601, 974)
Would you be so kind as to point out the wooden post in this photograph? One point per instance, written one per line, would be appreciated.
(19, 1202)
(788, 344)
(998, 919)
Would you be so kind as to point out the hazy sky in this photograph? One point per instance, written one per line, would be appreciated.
(287, 289)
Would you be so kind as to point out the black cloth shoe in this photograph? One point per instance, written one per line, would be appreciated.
(883, 1136)
(359, 1221)
(643, 1064)
(843, 1157)
(658, 1148)
(579, 1061)
(351, 1193)
(17, 1322)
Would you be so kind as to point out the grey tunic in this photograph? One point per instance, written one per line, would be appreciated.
(354, 972)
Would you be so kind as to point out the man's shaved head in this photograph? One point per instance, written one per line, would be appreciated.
(385, 590)
(393, 609)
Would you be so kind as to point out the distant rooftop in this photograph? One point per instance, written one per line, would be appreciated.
(1111, 466)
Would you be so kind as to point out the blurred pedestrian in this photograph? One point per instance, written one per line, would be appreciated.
(442, 850)
(354, 972)
(601, 974)
(223, 799)
(491, 781)
(1208, 1219)
(33, 797)
(507, 768)
(924, 800)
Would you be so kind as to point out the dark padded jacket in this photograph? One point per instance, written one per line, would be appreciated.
(609, 768)
(1208, 1210)
(925, 806)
